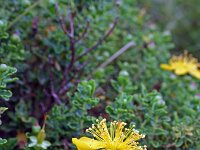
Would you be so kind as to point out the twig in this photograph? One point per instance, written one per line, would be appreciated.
(23, 14)
(70, 34)
(61, 20)
(69, 67)
(72, 46)
(65, 144)
(114, 56)
(78, 71)
(103, 65)
(71, 17)
(170, 145)
(80, 67)
(109, 31)
(84, 32)
(34, 27)
(53, 93)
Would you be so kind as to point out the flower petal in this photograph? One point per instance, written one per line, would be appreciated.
(181, 71)
(195, 73)
(45, 144)
(166, 67)
(86, 143)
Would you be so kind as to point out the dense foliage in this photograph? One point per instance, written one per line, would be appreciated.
(5, 94)
(79, 61)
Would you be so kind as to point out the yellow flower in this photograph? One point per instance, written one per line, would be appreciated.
(115, 138)
(183, 64)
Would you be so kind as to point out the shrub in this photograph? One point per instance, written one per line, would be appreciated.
(58, 47)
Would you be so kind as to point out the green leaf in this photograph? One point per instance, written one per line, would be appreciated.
(155, 144)
(5, 94)
(5, 77)
(160, 131)
(179, 142)
(2, 141)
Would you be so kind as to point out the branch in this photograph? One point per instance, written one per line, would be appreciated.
(108, 32)
(61, 20)
(84, 32)
(65, 144)
(72, 46)
(170, 145)
(114, 56)
(77, 70)
(73, 52)
(34, 27)
(117, 54)
(53, 93)
(81, 66)
(71, 18)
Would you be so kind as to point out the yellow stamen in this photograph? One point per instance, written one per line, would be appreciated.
(116, 138)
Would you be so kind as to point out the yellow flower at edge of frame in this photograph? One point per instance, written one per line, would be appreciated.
(85, 143)
(183, 64)
(115, 138)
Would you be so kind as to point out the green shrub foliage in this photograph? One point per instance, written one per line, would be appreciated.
(5, 78)
(5, 94)
(81, 60)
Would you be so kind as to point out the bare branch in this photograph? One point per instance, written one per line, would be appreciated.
(53, 93)
(108, 32)
(71, 25)
(84, 32)
(73, 52)
(114, 56)
(117, 54)
(61, 20)
(80, 67)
